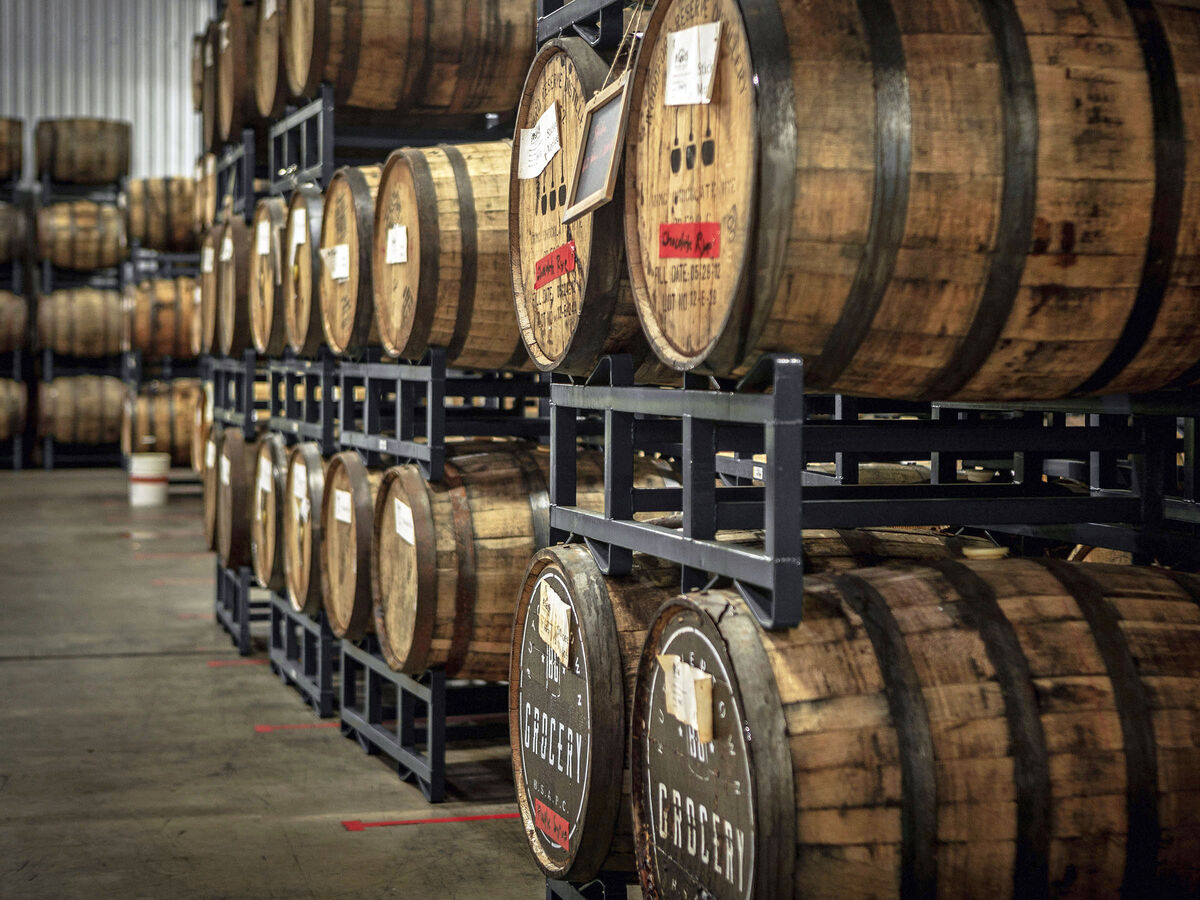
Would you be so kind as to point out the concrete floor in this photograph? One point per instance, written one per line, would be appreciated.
(131, 767)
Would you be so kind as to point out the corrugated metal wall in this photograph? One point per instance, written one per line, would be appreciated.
(121, 59)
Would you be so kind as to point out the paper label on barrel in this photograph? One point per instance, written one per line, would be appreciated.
(264, 479)
(342, 506)
(689, 240)
(299, 231)
(552, 825)
(206, 260)
(227, 249)
(210, 164)
(299, 486)
(554, 622)
(199, 171)
(270, 7)
(397, 245)
(404, 521)
(262, 237)
(554, 265)
(196, 295)
(223, 36)
(208, 57)
(688, 695)
(539, 144)
(337, 258)
(210, 455)
(225, 470)
(691, 63)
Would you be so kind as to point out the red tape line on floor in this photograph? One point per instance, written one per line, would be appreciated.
(356, 825)
(220, 663)
(266, 729)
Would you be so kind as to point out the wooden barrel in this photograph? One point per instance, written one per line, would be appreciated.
(12, 232)
(233, 287)
(208, 482)
(1016, 728)
(84, 409)
(235, 70)
(161, 419)
(236, 466)
(84, 322)
(302, 529)
(301, 316)
(208, 96)
(81, 234)
(159, 213)
(572, 295)
(12, 148)
(83, 151)
(210, 243)
(464, 56)
(923, 207)
(14, 322)
(270, 80)
(267, 271)
(347, 516)
(160, 317)
(441, 256)
(198, 71)
(344, 288)
(449, 555)
(13, 406)
(205, 193)
(269, 501)
(203, 419)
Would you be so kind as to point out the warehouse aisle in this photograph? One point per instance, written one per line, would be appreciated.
(131, 758)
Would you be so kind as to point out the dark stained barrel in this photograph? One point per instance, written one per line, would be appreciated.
(83, 151)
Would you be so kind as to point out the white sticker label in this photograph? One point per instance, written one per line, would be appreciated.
(223, 36)
(539, 144)
(337, 259)
(262, 237)
(264, 479)
(397, 245)
(688, 693)
(302, 508)
(299, 486)
(208, 59)
(210, 455)
(196, 295)
(404, 521)
(691, 63)
(554, 622)
(206, 260)
(224, 470)
(227, 249)
(211, 164)
(199, 171)
(299, 232)
(269, 8)
(341, 506)
(756, 472)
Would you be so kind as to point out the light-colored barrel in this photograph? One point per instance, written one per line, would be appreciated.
(345, 287)
(208, 99)
(14, 322)
(302, 270)
(13, 407)
(303, 536)
(269, 501)
(82, 409)
(205, 193)
(12, 148)
(160, 317)
(233, 287)
(83, 151)
(267, 273)
(347, 516)
(270, 79)
(84, 322)
(235, 70)
(159, 213)
(81, 234)
(161, 419)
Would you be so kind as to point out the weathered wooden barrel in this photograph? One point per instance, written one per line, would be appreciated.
(14, 322)
(83, 151)
(269, 501)
(235, 70)
(441, 256)
(270, 80)
(83, 409)
(345, 290)
(205, 193)
(301, 315)
(12, 232)
(81, 234)
(236, 465)
(203, 419)
(233, 287)
(923, 207)
(570, 287)
(303, 535)
(161, 317)
(1017, 728)
(347, 514)
(465, 56)
(161, 419)
(449, 555)
(12, 148)
(208, 104)
(198, 71)
(84, 322)
(210, 243)
(209, 476)
(14, 402)
(159, 213)
(267, 273)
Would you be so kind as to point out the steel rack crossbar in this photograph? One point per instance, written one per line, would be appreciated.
(233, 391)
(136, 370)
(303, 403)
(235, 608)
(235, 174)
(424, 712)
(144, 263)
(400, 408)
(599, 22)
(605, 886)
(54, 191)
(305, 654)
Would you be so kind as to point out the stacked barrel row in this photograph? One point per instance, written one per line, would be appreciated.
(14, 312)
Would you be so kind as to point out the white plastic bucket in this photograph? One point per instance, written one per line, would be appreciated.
(148, 478)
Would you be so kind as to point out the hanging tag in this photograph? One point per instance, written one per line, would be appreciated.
(337, 259)
(342, 506)
(691, 63)
(397, 245)
(595, 174)
(688, 694)
(263, 237)
(539, 144)
(206, 260)
(227, 249)
(404, 521)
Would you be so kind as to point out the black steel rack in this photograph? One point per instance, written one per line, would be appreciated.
(235, 607)
(305, 654)
(236, 171)
(599, 22)
(303, 403)
(233, 391)
(18, 364)
(605, 886)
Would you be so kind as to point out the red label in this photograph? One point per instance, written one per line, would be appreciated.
(552, 824)
(554, 265)
(689, 240)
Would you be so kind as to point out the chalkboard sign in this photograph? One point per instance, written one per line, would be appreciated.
(599, 156)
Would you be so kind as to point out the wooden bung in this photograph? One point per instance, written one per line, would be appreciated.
(302, 529)
(83, 151)
(269, 501)
(570, 286)
(454, 56)
(441, 253)
(270, 81)
(235, 70)
(14, 322)
(236, 465)
(160, 318)
(302, 272)
(344, 287)
(12, 148)
(198, 72)
(208, 481)
(13, 406)
(84, 322)
(83, 409)
(161, 419)
(210, 243)
(81, 234)
(267, 272)
(210, 140)
(203, 419)
(958, 200)
(12, 232)
(233, 287)
(347, 508)
(159, 213)
(1014, 727)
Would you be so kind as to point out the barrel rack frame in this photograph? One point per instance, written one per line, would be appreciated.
(146, 264)
(235, 608)
(305, 654)
(18, 363)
